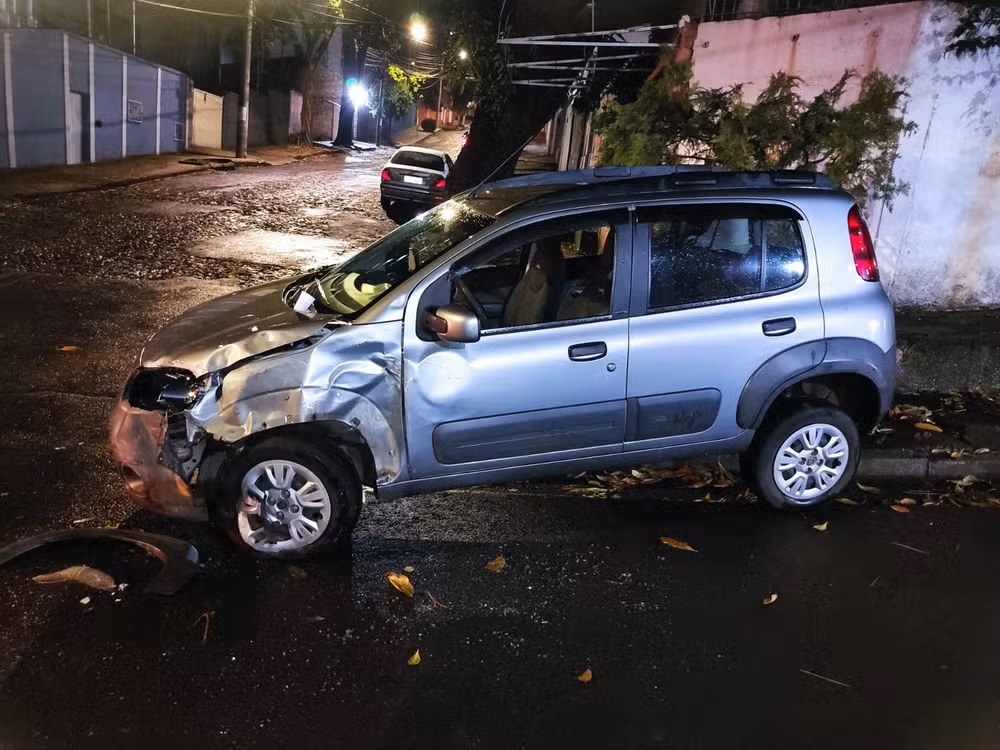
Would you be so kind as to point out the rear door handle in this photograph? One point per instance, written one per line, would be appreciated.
(588, 352)
(779, 326)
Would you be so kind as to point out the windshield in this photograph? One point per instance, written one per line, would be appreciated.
(352, 287)
(418, 159)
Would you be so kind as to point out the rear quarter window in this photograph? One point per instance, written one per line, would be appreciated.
(417, 159)
(704, 254)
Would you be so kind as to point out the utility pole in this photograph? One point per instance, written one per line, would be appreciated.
(244, 124)
(90, 20)
(133, 28)
(437, 114)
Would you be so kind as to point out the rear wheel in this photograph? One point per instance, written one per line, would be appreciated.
(806, 458)
(288, 498)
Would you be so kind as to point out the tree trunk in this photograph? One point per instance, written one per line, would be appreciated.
(495, 143)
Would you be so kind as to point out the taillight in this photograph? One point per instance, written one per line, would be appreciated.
(861, 246)
(386, 177)
(440, 183)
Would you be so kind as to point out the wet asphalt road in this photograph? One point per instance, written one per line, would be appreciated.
(885, 633)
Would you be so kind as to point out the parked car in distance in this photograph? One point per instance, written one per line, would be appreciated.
(414, 178)
(541, 325)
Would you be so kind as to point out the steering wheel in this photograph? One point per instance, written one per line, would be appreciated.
(477, 308)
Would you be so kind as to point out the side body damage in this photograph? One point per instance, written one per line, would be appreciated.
(175, 426)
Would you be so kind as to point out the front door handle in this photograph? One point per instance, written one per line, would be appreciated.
(588, 352)
(779, 326)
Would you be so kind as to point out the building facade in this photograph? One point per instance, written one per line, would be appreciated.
(67, 100)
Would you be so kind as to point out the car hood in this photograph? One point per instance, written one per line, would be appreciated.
(226, 330)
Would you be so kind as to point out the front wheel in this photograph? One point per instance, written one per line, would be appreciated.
(290, 498)
(806, 458)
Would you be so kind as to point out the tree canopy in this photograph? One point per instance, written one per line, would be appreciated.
(674, 121)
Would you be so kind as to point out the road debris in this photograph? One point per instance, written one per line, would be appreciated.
(770, 600)
(899, 508)
(912, 549)
(297, 573)
(826, 679)
(85, 601)
(497, 565)
(408, 569)
(92, 577)
(434, 601)
(585, 676)
(180, 559)
(821, 526)
(205, 618)
(868, 489)
(415, 659)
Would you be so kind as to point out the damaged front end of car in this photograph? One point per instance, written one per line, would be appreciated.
(196, 400)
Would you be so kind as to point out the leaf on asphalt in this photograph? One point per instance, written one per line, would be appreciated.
(415, 659)
(497, 564)
(408, 569)
(585, 676)
(981, 451)
(966, 481)
(906, 501)
(297, 573)
(821, 526)
(771, 599)
(847, 501)
(401, 583)
(315, 618)
(899, 508)
(903, 412)
(869, 490)
(677, 544)
(928, 426)
(92, 577)
(68, 349)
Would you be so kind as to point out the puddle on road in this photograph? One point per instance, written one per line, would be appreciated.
(277, 249)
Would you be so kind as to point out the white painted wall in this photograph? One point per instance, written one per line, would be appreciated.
(939, 245)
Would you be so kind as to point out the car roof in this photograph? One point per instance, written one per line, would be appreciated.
(602, 184)
(420, 150)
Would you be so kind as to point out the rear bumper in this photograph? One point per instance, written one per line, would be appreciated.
(138, 447)
(424, 196)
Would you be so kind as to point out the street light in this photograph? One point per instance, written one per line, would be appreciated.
(418, 30)
(463, 55)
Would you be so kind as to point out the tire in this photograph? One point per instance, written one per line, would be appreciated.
(319, 519)
(825, 476)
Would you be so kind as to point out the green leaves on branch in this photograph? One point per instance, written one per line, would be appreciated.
(674, 121)
(401, 90)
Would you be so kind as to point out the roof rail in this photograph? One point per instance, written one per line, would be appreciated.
(681, 175)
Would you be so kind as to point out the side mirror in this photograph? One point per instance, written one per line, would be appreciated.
(454, 323)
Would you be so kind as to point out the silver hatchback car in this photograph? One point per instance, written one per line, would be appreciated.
(535, 326)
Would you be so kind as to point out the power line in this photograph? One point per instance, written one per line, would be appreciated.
(193, 10)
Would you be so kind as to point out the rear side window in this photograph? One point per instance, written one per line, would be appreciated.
(700, 255)
(418, 159)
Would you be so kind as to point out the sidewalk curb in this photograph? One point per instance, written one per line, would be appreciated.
(887, 465)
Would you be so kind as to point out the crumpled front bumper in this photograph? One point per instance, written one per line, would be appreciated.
(138, 441)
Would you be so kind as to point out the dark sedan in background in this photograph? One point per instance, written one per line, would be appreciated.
(413, 180)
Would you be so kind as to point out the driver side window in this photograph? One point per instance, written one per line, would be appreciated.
(552, 272)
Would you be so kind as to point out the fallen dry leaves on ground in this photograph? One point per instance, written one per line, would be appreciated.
(497, 564)
(401, 583)
(92, 577)
(770, 600)
(585, 676)
(677, 544)
(415, 659)
(821, 526)
(696, 476)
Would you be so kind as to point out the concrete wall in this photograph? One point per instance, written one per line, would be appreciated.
(940, 244)
(45, 67)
